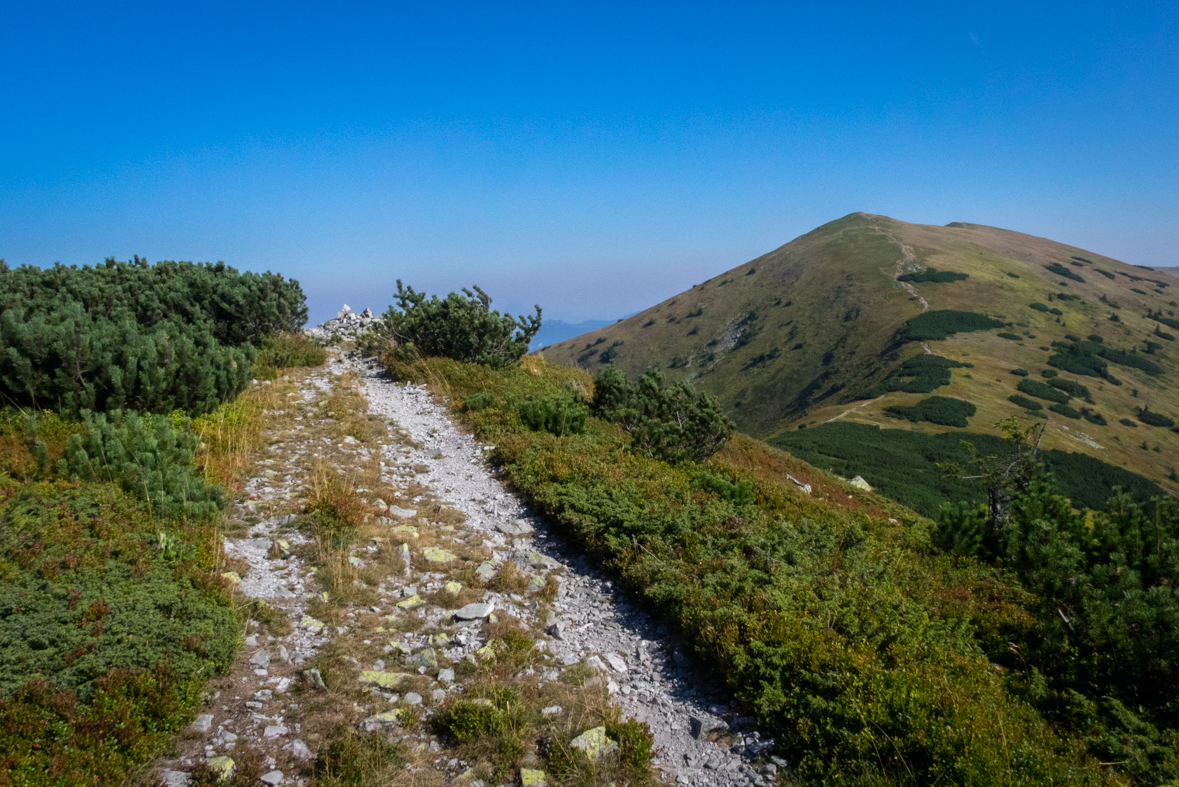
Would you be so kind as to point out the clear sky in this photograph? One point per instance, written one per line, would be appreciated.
(594, 158)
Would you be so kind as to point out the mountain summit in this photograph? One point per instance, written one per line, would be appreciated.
(872, 320)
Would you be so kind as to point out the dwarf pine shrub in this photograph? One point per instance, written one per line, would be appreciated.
(559, 415)
(459, 327)
(154, 338)
(149, 456)
(672, 423)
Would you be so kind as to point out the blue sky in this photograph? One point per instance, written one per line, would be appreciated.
(594, 158)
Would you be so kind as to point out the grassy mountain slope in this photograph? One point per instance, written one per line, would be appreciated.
(804, 334)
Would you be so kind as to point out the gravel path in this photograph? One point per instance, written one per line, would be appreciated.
(254, 713)
(593, 623)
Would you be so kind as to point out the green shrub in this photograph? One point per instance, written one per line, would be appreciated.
(479, 400)
(290, 350)
(149, 338)
(1093, 418)
(1042, 391)
(1020, 372)
(1098, 660)
(1154, 419)
(460, 327)
(1065, 410)
(738, 493)
(1040, 307)
(939, 325)
(1024, 402)
(934, 276)
(1060, 270)
(668, 422)
(1158, 316)
(937, 410)
(1046, 373)
(1128, 422)
(1014, 337)
(150, 457)
(1089, 357)
(1071, 388)
(928, 373)
(559, 415)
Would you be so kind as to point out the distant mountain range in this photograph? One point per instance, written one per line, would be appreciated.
(554, 331)
(923, 328)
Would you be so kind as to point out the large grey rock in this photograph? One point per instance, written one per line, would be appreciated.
(403, 513)
(515, 529)
(300, 750)
(273, 778)
(476, 611)
(203, 723)
(261, 659)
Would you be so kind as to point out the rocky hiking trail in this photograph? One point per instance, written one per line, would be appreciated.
(451, 590)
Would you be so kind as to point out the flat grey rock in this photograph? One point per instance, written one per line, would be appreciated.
(402, 513)
(170, 778)
(203, 723)
(261, 659)
(273, 778)
(476, 611)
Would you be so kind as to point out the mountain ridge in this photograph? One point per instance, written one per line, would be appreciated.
(802, 334)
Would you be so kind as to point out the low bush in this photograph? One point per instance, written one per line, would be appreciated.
(735, 492)
(939, 325)
(479, 400)
(111, 621)
(152, 338)
(1154, 419)
(1025, 402)
(1020, 372)
(941, 410)
(933, 276)
(1040, 307)
(1098, 660)
(558, 415)
(1071, 388)
(920, 374)
(150, 457)
(1093, 418)
(460, 327)
(1060, 270)
(1014, 337)
(1065, 410)
(1128, 422)
(672, 423)
(1042, 391)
